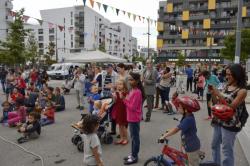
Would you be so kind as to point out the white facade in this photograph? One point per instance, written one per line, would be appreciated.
(89, 30)
(134, 46)
(5, 7)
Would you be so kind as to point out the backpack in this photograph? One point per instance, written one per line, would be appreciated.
(243, 116)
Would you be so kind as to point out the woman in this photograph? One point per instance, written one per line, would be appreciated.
(164, 86)
(98, 79)
(225, 132)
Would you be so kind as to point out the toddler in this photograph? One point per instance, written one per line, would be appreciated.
(48, 115)
(93, 97)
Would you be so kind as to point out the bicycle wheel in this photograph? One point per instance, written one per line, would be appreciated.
(155, 162)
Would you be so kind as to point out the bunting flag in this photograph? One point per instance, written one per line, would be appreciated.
(92, 2)
(155, 23)
(124, 12)
(148, 20)
(50, 25)
(40, 22)
(70, 29)
(139, 18)
(99, 5)
(117, 11)
(105, 7)
(25, 18)
(84, 2)
(61, 28)
(113, 9)
(151, 21)
(134, 17)
(129, 14)
(143, 19)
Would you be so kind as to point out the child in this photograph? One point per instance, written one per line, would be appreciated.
(19, 115)
(67, 85)
(6, 110)
(93, 97)
(97, 107)
(59, 100)
(49, 115)
(15, 95)
(119, 111)
(133, 103)
(31, 129)
(200, 86)
(92, 145)
(190, 140)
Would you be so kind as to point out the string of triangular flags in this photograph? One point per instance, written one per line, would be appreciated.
(51, 25)
(118, 11)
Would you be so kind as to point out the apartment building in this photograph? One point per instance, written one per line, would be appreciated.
(197, 27)
(82, 29)
(5, 7)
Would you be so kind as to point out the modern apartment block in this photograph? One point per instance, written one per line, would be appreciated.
(83, 30)
(5, 7)
(197, 27)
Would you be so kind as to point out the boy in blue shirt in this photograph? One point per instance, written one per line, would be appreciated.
(93, 97)
(190, 140)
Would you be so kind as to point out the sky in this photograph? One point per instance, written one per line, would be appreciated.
(146, 8)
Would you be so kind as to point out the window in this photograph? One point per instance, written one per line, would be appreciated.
(71, 14)
(52, 30)
(40, 51)
(40, 31)
(72, 37)
(40, 45)
(64, 20)
(72, 45)
(71, 21)
(51, 38)
(40, 38)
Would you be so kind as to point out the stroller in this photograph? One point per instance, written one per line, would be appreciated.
(102, 132)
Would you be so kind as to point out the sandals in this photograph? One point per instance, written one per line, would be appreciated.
(118, 142)
(124, 142)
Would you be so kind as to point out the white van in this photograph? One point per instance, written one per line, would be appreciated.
(61, 70)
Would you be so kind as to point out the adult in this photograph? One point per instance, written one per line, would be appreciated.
(44, 77)
(122, 73)
(196, 78)
(10, 82)
(164, 86)
(79, 85)
(157, 89)
(3, 74)
(149, 79)
(109, 80)
(211, 80)
(59, 100)
(189, 72)
(97, 81)
(225, 131)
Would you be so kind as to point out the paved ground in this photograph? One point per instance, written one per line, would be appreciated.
(55, 146)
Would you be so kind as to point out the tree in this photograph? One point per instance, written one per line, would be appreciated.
(31, 49)
(229, 51)
(13, 50)
(181, 60)
(51, 52)
(102, 47)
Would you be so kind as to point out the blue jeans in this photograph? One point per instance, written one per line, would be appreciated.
(225, 138)
(45, 121)
(164, 93)
(134, 128)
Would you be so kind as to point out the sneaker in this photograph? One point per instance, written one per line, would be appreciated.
(131, 161)
(127, 157)
(22, 140)
(147, 120)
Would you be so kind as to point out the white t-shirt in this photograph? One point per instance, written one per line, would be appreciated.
(91, 141)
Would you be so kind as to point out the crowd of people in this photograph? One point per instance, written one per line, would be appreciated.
(31, 103)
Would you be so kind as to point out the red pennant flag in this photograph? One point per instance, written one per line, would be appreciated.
(61, 28)
(50, 25)
(25, 18)
(99, 5)
(92, 2)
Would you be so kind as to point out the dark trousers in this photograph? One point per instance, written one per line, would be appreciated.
(200, 92)
(189, 83)
(134, 128)
(113, 126)
(209, 99)
(157, 97)
(164, 94)
(3, 85)
(150, 104)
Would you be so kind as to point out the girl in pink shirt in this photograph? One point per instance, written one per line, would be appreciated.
(200, 86)
(133, 104)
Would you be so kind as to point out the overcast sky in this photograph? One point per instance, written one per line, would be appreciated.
(146, 8)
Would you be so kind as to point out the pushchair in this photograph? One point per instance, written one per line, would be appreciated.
(102, 132)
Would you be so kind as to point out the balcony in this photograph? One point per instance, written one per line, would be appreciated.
(169, 36)
(223, 26)
(197, 36)
(227, 5)
(198, 17)
(9, 18)
(9, 5)
(198, 8)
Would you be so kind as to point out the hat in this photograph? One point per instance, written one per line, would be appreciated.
(109, 65)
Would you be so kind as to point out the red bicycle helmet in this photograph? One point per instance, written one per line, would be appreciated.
(190, 104)
(222, 112)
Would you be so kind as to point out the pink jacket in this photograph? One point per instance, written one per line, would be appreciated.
(201, 82)
(134, 105)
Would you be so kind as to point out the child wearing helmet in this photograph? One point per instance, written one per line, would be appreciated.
(190, 141)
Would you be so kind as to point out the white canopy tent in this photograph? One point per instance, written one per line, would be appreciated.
(92, 56)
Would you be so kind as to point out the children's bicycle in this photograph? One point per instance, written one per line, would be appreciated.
(173, 157)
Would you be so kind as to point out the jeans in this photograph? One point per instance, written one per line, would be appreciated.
(225, 138)
(189, 83)
(134, 128)
(46, 121)
(150, 104)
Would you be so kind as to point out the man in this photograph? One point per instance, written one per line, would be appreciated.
(109, 80)
(189, 72)
(79, 85)
(3, 74)
(149, 79)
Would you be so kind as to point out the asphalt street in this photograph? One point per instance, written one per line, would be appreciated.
(55, 146)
